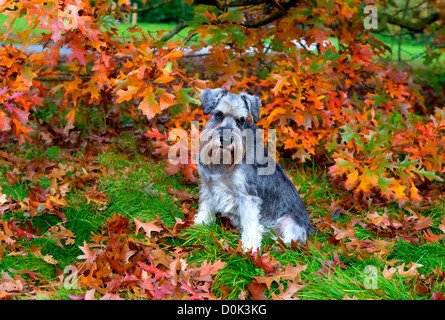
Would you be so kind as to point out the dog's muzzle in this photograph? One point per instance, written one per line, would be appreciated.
(221, 146)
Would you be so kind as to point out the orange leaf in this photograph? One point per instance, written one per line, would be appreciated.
(147, 226)
(281, 81)
(166, 99)
(149, 106)
(164, 78)
(125, 95)
(352, 180)
(399, 194)
(414, 193)
(174, 54)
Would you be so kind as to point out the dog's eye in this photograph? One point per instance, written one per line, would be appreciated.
(219, 114)
(241, 121)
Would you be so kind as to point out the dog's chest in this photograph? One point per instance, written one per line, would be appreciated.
(224, 191)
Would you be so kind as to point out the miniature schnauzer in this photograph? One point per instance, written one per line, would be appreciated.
(229, 164)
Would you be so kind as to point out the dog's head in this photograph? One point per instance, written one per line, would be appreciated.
(229, 107)
(222, 138)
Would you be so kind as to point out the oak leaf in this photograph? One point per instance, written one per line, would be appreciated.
(148, 227)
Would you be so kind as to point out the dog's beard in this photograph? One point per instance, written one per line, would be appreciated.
(214, 153)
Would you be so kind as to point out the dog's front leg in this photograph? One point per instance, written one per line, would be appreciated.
(205, 214)
(251, 228)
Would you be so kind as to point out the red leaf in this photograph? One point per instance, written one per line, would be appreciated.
(187, 288)
(158, 273)
(437, 296)
(257, 290)
(156, 134)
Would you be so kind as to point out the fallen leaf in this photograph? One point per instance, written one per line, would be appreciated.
(257, 290)
(148, 227)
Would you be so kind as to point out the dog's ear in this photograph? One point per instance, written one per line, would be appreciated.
(253, 104)
(210, 98)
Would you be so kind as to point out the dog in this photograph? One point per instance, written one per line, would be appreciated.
(231, 156)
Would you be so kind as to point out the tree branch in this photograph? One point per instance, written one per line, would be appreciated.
(416, 27)
(277, 15)
(148, 8)
(176, 30)
(282, 11)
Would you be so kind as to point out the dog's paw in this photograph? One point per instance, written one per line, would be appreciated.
(247, 245)
(203, 218)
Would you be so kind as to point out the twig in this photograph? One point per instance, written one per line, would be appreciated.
(176, 30)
